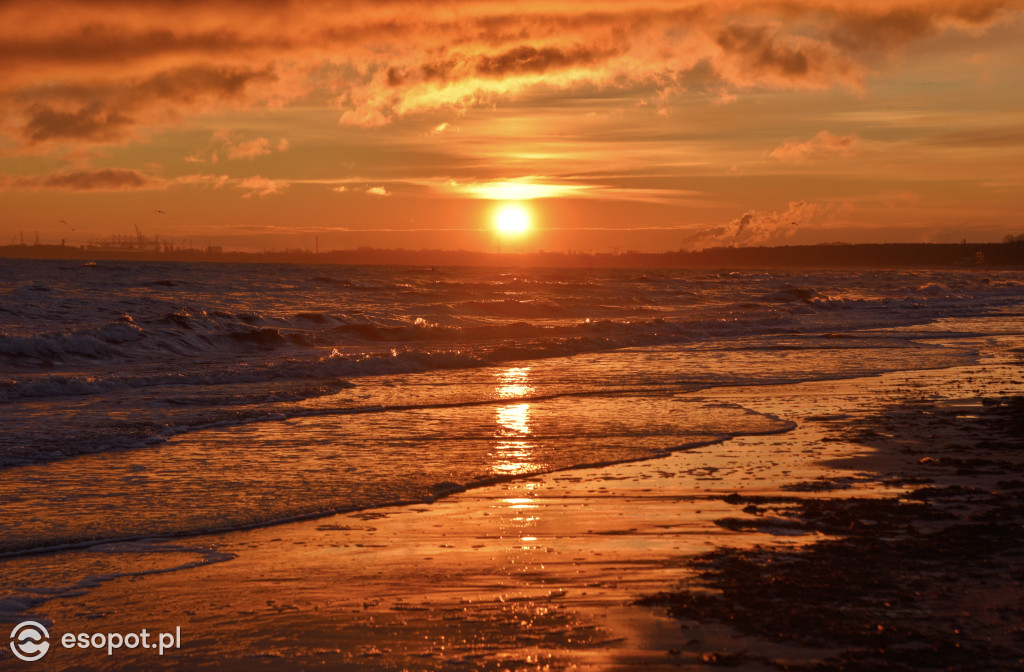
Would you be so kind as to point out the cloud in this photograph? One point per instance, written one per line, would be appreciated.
(861, 31)
(759, 56)
(110, 112)
(529, 59)
(1001, 137)
(250, 149)
(262, 186)
(521, 189)
(824, 144)
(123, 179)
(379, 190)
(200, 179)
(540, 186)
(194, 84)
(227, 142)
(377, 62)
(757, 227)
(107, 179)
(93, 122)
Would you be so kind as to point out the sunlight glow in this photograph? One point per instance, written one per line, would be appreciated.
(513, 451)
(517, 190)
(514, 383)
(513, 220)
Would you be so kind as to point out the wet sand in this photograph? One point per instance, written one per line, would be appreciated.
(547, 571)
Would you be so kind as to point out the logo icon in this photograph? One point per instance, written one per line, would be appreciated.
(28, 641)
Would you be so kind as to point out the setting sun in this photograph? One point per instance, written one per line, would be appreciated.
(513, 220)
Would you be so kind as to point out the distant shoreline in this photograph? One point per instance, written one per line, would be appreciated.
(835, 255)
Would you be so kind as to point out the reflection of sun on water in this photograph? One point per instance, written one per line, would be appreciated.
(514, 383)
(513, 453)
(513, 420)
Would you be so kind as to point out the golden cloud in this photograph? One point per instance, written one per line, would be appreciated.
(98, 72)
(823, 144)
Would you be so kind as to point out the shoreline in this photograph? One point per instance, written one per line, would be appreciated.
(710, 391)
(928, 579)
(538, 571)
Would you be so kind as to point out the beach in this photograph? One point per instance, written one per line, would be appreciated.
(594, 568)
(231, 466)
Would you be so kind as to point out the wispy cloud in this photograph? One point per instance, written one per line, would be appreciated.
(824, 144)
(125, 179)
(520, 189)
(225, 142)
(249, 149)
(261, 186)
(107, 179)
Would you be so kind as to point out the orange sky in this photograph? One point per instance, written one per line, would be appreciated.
(629, 125)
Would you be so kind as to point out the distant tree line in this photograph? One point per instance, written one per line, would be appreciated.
(1007, 254)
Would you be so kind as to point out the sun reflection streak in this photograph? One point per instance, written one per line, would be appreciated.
(514, 452)
(513, 420)
(513, 383)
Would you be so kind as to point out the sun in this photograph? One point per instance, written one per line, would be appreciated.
(512, 220)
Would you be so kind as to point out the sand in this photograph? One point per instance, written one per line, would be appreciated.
(546, 572)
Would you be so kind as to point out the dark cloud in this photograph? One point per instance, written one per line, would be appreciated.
(107, 179)
(980, 12)
(108, 114)
(761, 52)
(187, 85)
(93, 122)
(863, 30)
(99, 43)
(526, 59)
(892, 29)
(434, 71)
(992, 138)
(520, 60)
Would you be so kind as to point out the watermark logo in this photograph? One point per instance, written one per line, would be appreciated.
(28, 641)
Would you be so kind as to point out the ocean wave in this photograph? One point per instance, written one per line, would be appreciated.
(274, 325)
(353, 284)
(89, 344)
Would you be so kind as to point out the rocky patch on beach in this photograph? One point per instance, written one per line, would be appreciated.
(930, 580)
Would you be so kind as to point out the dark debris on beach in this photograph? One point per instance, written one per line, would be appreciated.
(931, 580)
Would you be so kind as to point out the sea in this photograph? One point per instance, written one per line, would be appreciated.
(143, 400)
